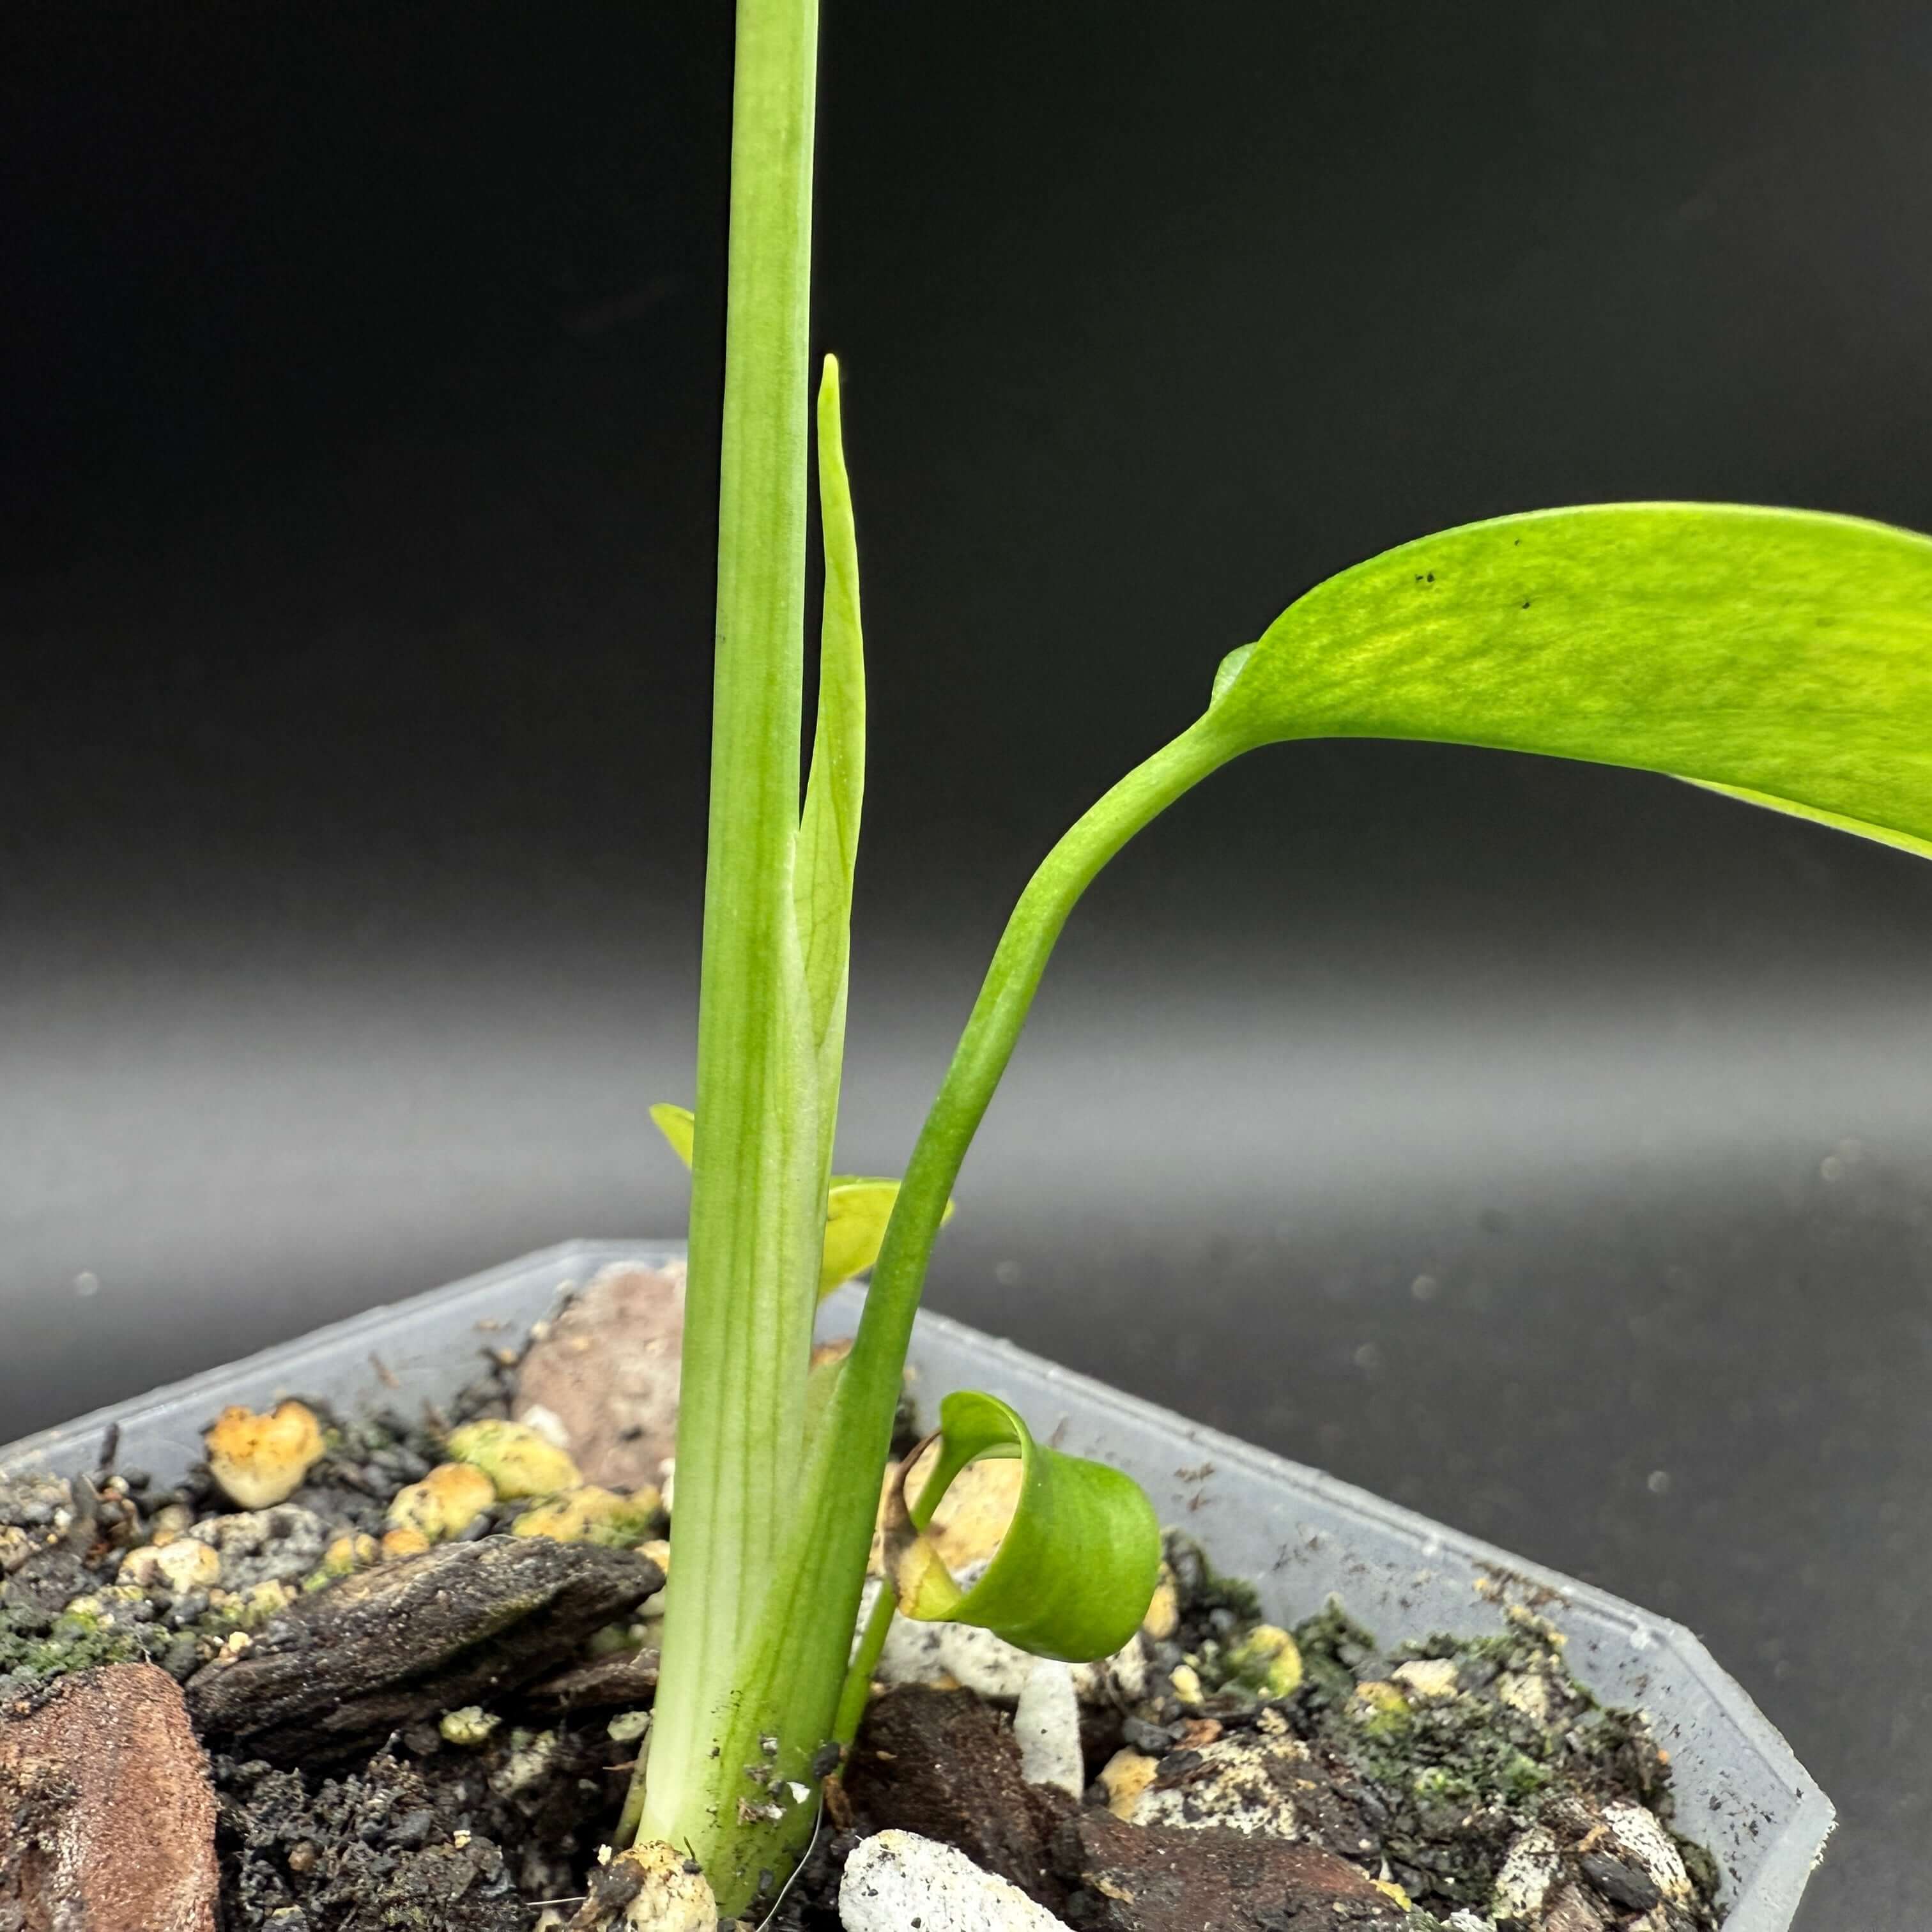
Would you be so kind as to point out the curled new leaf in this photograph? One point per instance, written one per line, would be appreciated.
(1076, 1569)
(1784, 656)
(857, 1207)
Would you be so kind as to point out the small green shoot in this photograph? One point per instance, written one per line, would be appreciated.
(857, 1207)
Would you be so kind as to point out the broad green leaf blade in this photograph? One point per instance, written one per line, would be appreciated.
(1074, 1574)
(828, 839)
(857, 1207)
(857, 1210)
(1783, 655)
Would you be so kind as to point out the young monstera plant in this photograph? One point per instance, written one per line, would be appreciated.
(1782, 656)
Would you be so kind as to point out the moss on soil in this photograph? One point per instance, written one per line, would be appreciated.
(74, 1640)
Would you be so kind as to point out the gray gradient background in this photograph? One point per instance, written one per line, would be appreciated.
(1544, 1147)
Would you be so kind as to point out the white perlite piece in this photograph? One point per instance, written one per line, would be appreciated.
(1529, 1695)
(1047, 1725)
(1430, 1679)
(1246, 1782)
(1644, 1841)
(898, 1878)
(1532, 1866)
(982, 1662)
(547, 1422)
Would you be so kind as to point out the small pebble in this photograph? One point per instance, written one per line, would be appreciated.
(1529, 1873)
(1644, 1843)
(1431, 1679)
(1124, 1778)
(896, 1880)
(469, 1725)
(1163, 1611)
(1246, 1781)
(260, 1460)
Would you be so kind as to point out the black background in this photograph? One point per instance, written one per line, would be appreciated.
(1545, 1146)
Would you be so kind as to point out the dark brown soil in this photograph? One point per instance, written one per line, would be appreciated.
(444, 1842)
(1414, 1801)
(1429, 1795)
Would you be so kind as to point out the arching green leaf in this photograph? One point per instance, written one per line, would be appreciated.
(1076, 1569)
(857, 1207)
(1784, 656)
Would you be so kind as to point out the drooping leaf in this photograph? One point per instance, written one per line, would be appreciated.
(1077, 1567)
(828, 839)
(1784, 656)
(857, 1207)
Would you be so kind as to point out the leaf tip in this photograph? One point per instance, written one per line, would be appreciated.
(679, 1126)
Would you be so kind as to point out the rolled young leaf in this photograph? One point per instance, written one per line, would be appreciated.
(1782, 655)
(1076, 1569)
(828, 834)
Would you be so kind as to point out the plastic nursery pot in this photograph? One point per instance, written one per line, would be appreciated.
(1295, 1534)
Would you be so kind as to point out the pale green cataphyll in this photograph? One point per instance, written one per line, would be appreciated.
(1782, 656)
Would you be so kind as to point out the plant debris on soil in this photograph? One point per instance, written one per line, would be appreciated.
(419, 1695)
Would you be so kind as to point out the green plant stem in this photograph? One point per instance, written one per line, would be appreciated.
(756, 1191)
(865, 1661)
(872, 1370)
(789, 1676)
(808, 1622)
